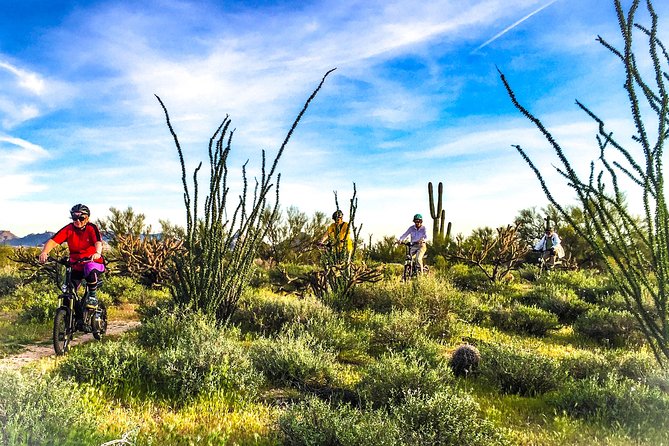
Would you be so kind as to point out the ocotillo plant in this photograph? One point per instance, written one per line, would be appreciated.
(212, 273)
(634, 248)
(439, 214)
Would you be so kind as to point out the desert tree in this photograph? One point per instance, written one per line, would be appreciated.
(494, 252)
(126, 223)
(635, 248)
(221, 243)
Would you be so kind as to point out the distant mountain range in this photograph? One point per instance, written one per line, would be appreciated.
(7, 238)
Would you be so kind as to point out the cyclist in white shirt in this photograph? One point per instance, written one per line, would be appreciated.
(418, 238)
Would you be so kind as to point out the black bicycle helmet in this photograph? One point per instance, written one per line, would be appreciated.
(337, 214)
(80, 209)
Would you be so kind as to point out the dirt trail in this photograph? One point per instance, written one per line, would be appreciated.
(44, 349)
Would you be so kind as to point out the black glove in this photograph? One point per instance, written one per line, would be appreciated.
(552, 251)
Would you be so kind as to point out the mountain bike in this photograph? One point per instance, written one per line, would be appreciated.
(72, 314)
(411, 268)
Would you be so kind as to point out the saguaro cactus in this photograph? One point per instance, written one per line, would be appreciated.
(438, 215)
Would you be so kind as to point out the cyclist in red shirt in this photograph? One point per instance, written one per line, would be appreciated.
(83, 241)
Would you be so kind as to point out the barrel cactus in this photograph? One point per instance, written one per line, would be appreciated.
(465, 360)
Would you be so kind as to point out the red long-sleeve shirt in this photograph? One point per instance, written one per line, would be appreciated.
(80, 242)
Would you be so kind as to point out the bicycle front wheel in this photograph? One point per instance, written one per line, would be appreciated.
(406, 274)
(62, 332)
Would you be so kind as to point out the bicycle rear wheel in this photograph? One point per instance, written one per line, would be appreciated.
(62, 332)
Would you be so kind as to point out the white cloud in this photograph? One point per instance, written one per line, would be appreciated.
(32, 82)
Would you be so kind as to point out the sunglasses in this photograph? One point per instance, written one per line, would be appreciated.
(80, 218)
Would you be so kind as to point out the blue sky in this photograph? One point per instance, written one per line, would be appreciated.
(416, 97)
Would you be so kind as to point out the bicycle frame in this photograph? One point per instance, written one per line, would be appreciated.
(544, 265)
(411, 269)
(67, 321)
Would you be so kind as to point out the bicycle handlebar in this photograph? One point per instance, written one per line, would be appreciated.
(65, 261)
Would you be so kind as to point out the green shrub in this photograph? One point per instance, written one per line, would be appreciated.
(176, 358)
(35, 301)
(215, 366)
(10, 280)
(277, 275)
(40, 308)
(585, 364)
(268, 313)
(468, 278)
(616, 402)
(36, 291)
(445, 418)
(613, 301)
(397, 330)
(172, 329)
(259, 277)
(40, 409)
(119, 367)
(293, 360)
(434, 298)
(122, 289)
(637, 365)
(518, 371)
(388, 380)
(314, 422)
(523, 319)
(590, 287)
(336, 335)
(6, 256)
(529, 272)
(557, 299)
(611, 328)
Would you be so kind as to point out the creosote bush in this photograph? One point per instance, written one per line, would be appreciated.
(617, 402)
(395, 375)
(123, 289)
(610, 328)
(523, 319)
(268, 313)
(444, 418)
(294, 360)
(518, 371)
(350, 345)
(397, 330)
(558, 299)
(44, 409)
(10, 280)
(177, 357)
(585, 364)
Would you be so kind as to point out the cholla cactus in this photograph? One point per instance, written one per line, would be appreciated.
(465, 360)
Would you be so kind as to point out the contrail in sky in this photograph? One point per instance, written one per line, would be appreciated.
(509, 28)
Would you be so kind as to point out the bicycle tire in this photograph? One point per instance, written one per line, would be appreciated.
(406, 274)
(62, 333)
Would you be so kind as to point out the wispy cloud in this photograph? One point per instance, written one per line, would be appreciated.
(27, 80)
(16, 155)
